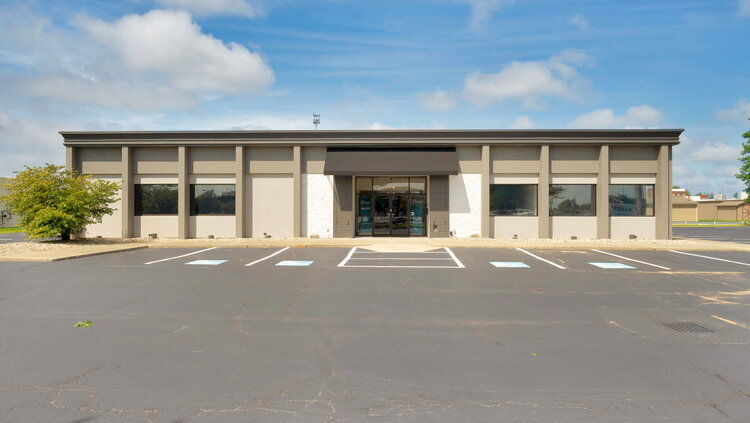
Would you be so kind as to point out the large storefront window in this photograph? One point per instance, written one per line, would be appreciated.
(572, 200)
(155, 199)
(631, 200)
(212, 199)
(513, 200)
(391, 206)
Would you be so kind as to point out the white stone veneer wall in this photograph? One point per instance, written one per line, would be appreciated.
(465, 204)
(317, 205)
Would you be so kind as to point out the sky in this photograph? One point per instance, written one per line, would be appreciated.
(388, 64)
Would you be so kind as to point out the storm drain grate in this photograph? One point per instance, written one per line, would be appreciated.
(686, 327)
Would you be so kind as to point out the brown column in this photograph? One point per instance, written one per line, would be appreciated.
(128, 205)
(543, 193)
(297, 175)
(485, 204)
(239, 194)
(602, 194)
(71, 158)
(663, 193)
(183, 196)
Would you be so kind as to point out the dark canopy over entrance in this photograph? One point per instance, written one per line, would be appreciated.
(391, 161)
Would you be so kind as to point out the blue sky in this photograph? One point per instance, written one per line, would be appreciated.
(257, 64)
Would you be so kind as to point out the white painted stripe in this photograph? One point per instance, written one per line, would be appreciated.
(711, 258)
(401, 252)
(348, 256)
(267, 257)
(184, 255)
(630, 259)
(539, 258)
(397, 258)
(405, 267)
(732, 322)
(453, 256)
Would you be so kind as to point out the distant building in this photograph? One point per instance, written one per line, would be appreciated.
(687, 210)
(7, 220)
(679, 192)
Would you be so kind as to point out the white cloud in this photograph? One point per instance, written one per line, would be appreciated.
(529, 81)
(635, 117)
(579, 21)
(213, 7)
(739, 113)
(481, 10)
(522, 122)
(744, 7)
(24, 143)
(437, 101)
(706, 165)
(168, 44)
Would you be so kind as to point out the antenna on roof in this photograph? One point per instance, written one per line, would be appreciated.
(316, 120)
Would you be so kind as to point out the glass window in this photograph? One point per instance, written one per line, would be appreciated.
(155, 199)
(513, 200)
(631, 200)
(572, 200)
(212, 199)
(417, 185)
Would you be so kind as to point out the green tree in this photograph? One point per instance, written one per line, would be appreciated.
(52, 201)
(744, 159)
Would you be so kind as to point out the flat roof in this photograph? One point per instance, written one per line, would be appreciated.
(376, 137)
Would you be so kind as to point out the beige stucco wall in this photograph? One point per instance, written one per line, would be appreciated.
(211, 160)
(269, 160)
(111, 226)
(313, 160)
(574, 159)
(514, 159)
(504, 227)
(155, 160)
(218, 226)
(163, 226)
(563, 227)
(271, 202)
(469, 159)
(633, 159)
(100, 160)
(643, 227)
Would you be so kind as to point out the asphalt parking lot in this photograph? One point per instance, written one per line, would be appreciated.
(740, 234)
(333, 334)
(12, 237)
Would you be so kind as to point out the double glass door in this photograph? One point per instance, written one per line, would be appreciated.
(391, 206)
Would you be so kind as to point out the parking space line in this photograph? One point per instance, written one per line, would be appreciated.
(176, 257)
(398, 258)
(453, 256)
(348, 256)
(633, 260)
(401, 252)
(267, 257)
(401, 267)
(539, 258)
(711, 258)
(732, 322)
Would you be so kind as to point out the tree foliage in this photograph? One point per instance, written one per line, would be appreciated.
(744, 174)
(52, 201)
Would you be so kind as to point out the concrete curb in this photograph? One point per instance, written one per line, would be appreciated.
(61, 257)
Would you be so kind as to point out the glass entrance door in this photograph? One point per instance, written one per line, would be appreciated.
(391, 206)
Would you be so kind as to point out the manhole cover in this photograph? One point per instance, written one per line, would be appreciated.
(686, 327)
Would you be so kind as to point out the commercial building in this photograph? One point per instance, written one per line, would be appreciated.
(685, 210)
(433, 183)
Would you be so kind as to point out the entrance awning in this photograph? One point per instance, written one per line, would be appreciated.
(391, 161)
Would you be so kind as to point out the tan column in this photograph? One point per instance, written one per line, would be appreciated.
(297, 158)
(239, 195)
(128, 205)
(663, 188)
(602, 194)
(71, 158)
(183, 193)
(543, 193)
(485, 204)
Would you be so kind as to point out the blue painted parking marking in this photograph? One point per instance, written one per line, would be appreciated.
(510, 264)
(612, 265)
(207, 262)
(295, 263)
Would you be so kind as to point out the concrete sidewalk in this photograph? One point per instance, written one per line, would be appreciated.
(71, 251)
